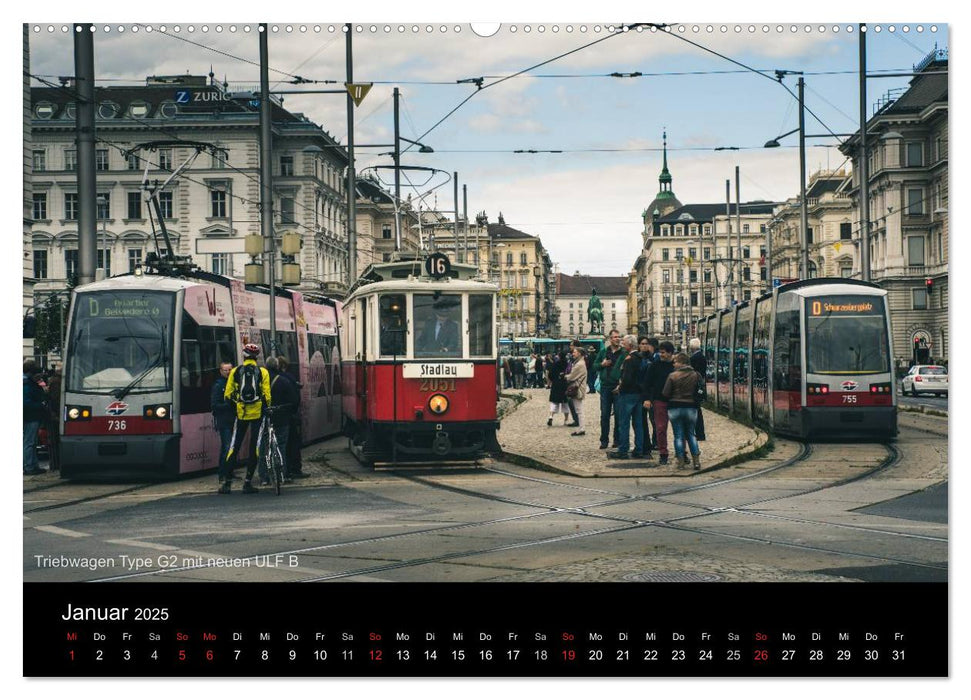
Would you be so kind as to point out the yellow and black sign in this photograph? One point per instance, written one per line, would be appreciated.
(358, 91)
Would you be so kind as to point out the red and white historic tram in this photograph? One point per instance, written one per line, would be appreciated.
(811, 359)
(419, 363)
(143, 351)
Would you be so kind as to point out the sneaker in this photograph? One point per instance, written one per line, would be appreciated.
(249, 488)
(618, 455)
(663, 459)
(264, 482)
(696, 462)
(549, 422)
(577, 433)
(603, 445)
(224, 488)
(572, 425)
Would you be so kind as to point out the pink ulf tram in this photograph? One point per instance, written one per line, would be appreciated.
(143, 352)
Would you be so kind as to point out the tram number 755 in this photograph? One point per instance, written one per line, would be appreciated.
(849, 398)
(437, 385)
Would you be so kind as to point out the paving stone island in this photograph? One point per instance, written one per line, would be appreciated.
(524, 436)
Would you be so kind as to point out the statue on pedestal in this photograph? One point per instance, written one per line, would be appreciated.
(595, 314)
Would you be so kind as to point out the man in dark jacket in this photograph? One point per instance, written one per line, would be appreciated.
(54, 419)
(607, 365)
(657, 375)
(283, 395)
(35, 413)
(699, 363)
(628, 401)
(295, 438)
(223, 413)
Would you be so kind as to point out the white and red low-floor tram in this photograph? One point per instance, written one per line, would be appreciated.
(142, 354)
(811, 359)
(419, 351)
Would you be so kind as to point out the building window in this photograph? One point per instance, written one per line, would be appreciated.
(386, 231)
(287, 215)
(40, 161)
(746, 252)
(764, 274)
(218, 201)
(165, 159)
(40, 264)
(915, 202)
(509, 258)
(915, 251)
(71, 206)
(165, 204)
(846, 231)
(694, 298)
(103, 205)
(679, 230)
(104, 261)
(667, 300)
(680, 275)
(915, 154)
(219, 160)
(665, 230)
(708, 298)
(286, 166)
(386, 257)
(744, 228)
(692, 276)
(693, 229)
(71, 263)
(812, 270)
(134, 205)
(707, 229)
(746, 294)
(134, 162)
(665, 254)
(747, 273)
(40, 207)
(666, 276)
(919, 297)
(221, 264)
(693, 253)
(101, 159)
(707, 253)
(846, 270)
(134, 258)
(707, 276)
(761, 228)
(809, 235)
(70, 160)
(571, 315)
(522, 259)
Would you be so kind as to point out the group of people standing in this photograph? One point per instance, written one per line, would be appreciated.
(645, 385)
(42, 399)
(240, 399)
(524, 372)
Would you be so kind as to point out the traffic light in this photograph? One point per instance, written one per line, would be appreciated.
(929, 284)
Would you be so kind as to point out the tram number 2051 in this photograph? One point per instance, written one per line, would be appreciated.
(437, 385)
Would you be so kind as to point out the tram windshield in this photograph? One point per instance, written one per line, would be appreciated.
(847, 335)
(121, 341)
(437, 323)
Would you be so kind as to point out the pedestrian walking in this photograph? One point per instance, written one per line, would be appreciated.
(576, 388)
(558, 402)
(679, 390)
(608, 364)
(35, 413)
(223, 414)
(531, 371)
(589, 358)
(629, 406)
(657, 375)
(699, 363)
(653, 344)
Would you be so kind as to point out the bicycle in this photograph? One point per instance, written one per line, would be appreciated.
(272, 456)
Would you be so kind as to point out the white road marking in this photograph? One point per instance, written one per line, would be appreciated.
(54, 530)
(139, 543)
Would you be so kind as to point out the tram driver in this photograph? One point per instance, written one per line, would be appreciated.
(440, 333)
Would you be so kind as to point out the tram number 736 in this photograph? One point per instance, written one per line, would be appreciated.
(437, 385)
(117, 425)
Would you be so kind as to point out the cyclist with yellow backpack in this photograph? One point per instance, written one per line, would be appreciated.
(248, 386)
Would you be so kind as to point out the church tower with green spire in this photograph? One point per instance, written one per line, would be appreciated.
(665, 201)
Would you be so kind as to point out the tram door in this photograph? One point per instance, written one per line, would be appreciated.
(362, 354)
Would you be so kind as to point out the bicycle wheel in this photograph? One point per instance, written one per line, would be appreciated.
(274, 464)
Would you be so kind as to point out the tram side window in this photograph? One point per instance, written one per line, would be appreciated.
(787, 351)
(203, 348)
(392, 317)
(760, 346)
(286, 344)
(438, 325)
(480, 325)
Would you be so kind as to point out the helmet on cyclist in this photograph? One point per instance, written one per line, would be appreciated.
(251, 350)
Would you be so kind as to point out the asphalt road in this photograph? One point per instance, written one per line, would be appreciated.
(816, 517)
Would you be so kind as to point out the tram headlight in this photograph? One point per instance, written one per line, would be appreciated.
(73, 413)
(78, 413)
(438, 404)
(161, 411)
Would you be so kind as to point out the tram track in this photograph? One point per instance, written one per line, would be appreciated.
(624, 523)
(79, 501)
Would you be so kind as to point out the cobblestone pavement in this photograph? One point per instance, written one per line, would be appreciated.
(525, 435)
(666, 566)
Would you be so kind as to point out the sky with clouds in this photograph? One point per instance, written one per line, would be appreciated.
(585, 202)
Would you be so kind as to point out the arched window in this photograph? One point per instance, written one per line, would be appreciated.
(812, 270)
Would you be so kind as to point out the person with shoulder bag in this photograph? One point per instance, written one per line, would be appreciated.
(576, 389)
(680, 390)
(699, 363)
(35, 413)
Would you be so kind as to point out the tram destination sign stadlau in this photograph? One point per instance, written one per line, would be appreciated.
(430, 370)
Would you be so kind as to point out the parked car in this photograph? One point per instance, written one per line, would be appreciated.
(925, 379)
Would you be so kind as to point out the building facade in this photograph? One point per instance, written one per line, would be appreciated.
(830, 216)
(907, 158)
(519, 264)
(210, 207)
(573, 294)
